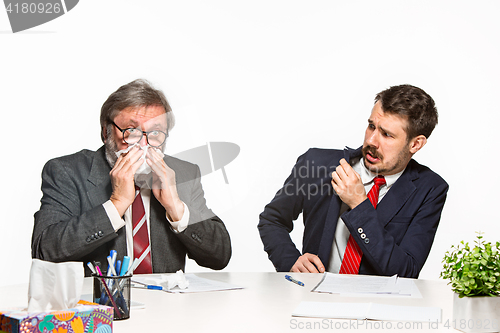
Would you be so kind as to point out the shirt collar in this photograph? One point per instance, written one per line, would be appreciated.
(367, 176)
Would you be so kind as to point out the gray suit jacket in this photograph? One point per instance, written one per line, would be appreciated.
(72, 224)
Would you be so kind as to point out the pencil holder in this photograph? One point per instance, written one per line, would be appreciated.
(113, 291)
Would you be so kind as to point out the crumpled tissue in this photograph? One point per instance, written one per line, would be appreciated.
(167, 281)
(144, 169)
(54, 286)
(178, 279)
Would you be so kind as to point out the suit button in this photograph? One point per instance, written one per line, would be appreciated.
(88, 239)
(367, 240)
(100, 233)
(363, 236)
(360, 230)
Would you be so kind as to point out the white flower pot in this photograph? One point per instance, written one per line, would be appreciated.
(476, 314)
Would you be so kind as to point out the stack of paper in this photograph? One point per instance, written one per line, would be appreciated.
(364, 284)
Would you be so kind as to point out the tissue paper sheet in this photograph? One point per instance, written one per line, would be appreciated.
(54, 286)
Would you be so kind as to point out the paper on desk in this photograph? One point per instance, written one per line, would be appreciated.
(362, 311)
(366, 284)
(196, 283)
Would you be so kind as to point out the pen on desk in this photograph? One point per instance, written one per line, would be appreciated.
(106, 289)
(91, 267)
(98, 270)
(146, 286)
(111, 267)
(97, 264)
(134, 266)
(113, 255)
(118, 267)
(125, 265)
(291, 279)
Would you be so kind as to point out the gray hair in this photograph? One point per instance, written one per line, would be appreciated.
(138, 93)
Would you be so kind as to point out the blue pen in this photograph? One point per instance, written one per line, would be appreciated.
(118, 266)
(146, 286)
(125, 265)
(91, 267)
(154, 287)
(112, 254)
(111, 267)
(291, 279)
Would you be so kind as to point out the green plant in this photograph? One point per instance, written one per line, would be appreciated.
(473, 271)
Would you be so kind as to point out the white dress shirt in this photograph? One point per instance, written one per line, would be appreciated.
(341, 232)
(118, 222)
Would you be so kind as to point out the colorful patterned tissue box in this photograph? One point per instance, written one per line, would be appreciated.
(86, 317)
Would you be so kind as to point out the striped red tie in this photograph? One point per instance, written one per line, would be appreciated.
(142, 249)
(353, 254)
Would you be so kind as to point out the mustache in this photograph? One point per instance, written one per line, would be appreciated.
(372, 151)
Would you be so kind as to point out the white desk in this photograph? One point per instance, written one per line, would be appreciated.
(265, 305)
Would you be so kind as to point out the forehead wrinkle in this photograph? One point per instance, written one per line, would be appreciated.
(144, 117)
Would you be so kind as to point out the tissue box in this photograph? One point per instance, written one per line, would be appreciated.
(86, 317)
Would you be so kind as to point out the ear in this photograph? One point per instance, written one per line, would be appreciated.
(417, 143)
(104, 133)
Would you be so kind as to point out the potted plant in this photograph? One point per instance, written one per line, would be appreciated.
(473, 272)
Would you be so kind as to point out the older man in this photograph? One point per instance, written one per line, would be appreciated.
(128, 196)
(373, 210)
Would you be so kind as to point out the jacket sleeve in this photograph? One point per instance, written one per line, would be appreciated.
(206, 238)
(401, 245)
(63, 231)
(276, 221)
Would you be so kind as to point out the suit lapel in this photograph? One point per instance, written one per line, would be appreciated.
(98, 182)
(99, 191)
(397, 195)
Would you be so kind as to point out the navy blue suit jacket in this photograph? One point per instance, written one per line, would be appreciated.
(399, 233)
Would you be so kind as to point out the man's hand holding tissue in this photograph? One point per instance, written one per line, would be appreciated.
(164, 187)
(122, 179)
(86, 206)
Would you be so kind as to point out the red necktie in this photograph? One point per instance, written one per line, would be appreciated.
(353, 254)
(142, 249)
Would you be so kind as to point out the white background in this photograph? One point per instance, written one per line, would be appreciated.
(274, 77)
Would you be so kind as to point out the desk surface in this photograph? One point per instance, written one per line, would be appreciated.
(264, 305)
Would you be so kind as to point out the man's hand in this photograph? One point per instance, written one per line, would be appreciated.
(348, 185)
(308, 263)
(164, 186)
(122, 179)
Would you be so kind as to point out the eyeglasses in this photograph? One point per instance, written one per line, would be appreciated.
(133, 135)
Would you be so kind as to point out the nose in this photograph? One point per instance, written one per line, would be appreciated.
(143, 141)
(372, 139)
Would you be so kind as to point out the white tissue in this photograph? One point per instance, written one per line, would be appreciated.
(178, 279)
(54, 286)
(144, 169)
